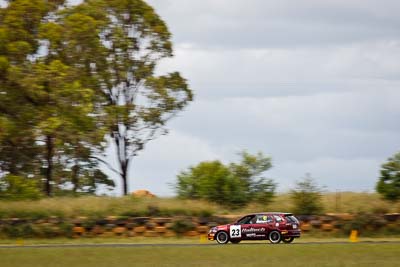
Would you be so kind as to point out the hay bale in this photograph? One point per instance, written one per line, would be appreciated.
(316, 223)
(305, 227)
(326, 219)
(150, 225)
(119, 230)
(142, 193)
(97, 230)
(130, 226)
(139, 229)
(327, 227)
(160, 229)
(169, 234)
(78, 230)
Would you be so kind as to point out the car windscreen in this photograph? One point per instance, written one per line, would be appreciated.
(291, 219)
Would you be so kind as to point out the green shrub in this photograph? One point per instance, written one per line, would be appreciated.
(11, 231)
(234, 185)
(307, 197)
(182, 226)
(27, 231)
(388, 184)
(18, 188)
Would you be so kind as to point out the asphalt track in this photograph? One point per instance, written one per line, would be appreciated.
(186, 245)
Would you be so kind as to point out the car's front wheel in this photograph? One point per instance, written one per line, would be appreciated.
(222, 237)
(287, 240)
(275, 237)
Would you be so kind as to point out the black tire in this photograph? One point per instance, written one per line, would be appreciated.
(222, 237)
(235, 241)
(275, 237)
(287, 240)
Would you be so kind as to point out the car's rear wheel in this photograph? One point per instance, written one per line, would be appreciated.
(222, 237)
(287, 240)
(235, 241)
(275, 237)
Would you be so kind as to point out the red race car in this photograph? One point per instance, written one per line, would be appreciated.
(272, 226)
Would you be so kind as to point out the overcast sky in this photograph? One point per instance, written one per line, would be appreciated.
(314, 84)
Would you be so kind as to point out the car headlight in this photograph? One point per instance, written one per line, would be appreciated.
(213, 230)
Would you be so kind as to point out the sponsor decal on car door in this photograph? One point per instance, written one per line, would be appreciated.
(254, 231)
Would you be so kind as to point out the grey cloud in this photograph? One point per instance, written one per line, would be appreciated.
(300, 128)
(283, 72)
(257, 23)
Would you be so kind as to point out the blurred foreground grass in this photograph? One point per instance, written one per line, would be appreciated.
(67, 207)
(228, 255)
(174, 240)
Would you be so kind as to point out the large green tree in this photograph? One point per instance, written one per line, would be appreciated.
(72, 76)
(388, 184)
(47, 107)
(19, 23)
(122, 47)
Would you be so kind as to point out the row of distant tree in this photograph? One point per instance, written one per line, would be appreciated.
(237, 184)
(75, 80)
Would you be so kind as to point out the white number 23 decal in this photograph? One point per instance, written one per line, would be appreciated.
(235, 231)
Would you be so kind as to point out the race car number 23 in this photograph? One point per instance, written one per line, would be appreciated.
(236, 231)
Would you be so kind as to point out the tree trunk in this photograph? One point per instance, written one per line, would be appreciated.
(123, 161)
(49, 159)
(75, 179)
(124, 176)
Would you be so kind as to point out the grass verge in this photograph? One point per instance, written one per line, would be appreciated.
(228, 255)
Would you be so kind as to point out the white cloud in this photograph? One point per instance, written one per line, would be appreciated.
(163, 158)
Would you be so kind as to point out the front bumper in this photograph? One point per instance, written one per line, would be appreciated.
(211, 236)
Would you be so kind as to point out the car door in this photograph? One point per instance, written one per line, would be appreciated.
(235, 230)
(256, 229)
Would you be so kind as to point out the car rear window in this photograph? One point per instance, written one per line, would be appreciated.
(291, 219)
(278, 218)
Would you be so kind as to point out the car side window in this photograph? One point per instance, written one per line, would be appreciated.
(264, 218)
(278, 218)
(245, 220)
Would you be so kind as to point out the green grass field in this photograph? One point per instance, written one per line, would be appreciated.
(228, 255)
